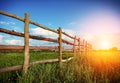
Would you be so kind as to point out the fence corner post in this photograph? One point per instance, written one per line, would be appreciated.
(26, 44)
(60, 45)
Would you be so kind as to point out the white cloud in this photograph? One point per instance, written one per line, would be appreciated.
(13, 42)
(7, 23)
(1, 37)
(41, 32)
(11, 24)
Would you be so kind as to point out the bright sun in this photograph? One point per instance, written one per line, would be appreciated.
(105, 45)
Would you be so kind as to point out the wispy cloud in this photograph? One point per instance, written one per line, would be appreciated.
(13, 42)
(11, 24)
(7, 23)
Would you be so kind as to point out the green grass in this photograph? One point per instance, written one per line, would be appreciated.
(10, 59)
(96, 67)
(16, 58)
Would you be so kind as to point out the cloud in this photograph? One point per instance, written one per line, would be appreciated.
(41, 32)
(11, 24)
(42, 43)
(13, 42)
(1, 37)
(7, 23)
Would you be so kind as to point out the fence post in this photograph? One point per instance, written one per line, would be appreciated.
(26, 44)
(83, 47)
(60, 45)
(90, 47)
(86, 47)
(74, 50)
(79, 46)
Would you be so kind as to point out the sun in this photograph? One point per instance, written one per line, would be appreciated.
(105, 45)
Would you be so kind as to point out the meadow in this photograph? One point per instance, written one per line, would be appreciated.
(95, 67)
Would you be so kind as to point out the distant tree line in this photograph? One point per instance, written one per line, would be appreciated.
(113, 49)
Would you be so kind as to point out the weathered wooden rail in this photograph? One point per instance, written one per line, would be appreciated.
(81, 47)
(37, 48)
(18, 67)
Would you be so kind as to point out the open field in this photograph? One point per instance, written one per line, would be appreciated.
(96, 67)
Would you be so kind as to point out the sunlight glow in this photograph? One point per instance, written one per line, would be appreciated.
(105, 45)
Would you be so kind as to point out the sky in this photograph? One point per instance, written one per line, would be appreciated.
(96, 21)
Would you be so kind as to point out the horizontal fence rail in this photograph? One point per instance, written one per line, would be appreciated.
(18, 67)
(37, 48)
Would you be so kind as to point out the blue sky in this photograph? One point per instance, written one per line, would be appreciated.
(84, 18)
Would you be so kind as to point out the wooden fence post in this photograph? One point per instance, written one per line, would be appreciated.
(60, 45)
(74, 49)
(90, 47)
(26, 44)
(85, 46)
(79, 46)
(83, 49)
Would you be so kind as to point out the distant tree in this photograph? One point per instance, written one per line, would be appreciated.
(114, 49)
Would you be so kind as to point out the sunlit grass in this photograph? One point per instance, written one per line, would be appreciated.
(95, 67)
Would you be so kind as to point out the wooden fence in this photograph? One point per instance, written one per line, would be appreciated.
(82, 47)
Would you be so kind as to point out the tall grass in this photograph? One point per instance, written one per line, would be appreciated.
(69, 72)
(85, 68)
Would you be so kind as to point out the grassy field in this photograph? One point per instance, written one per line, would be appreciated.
(95, 67)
